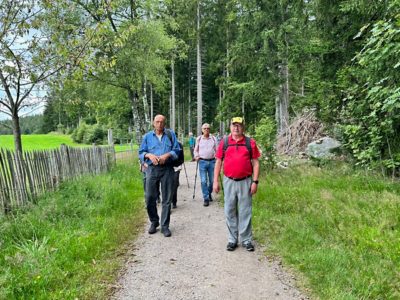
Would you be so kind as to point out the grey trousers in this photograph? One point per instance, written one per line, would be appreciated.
(238, 209)
(156, 175)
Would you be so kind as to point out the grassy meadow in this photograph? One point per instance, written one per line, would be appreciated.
(37, 141)
(66, 246)
(48, 141)
(340, 230)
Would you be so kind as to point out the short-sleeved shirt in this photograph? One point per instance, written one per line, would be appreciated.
(237, 163)
(205, 147)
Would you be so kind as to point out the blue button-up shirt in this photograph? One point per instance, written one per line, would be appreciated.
(151, 144)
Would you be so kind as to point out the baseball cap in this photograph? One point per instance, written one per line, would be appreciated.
(237, 120)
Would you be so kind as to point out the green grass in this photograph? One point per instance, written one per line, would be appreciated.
(71, 244)
(37, 141)
(50, 141)
(340, 230)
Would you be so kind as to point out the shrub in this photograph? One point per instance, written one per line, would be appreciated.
(265, 135)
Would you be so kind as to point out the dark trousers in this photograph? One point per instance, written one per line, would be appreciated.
(192, 152)
(156, 175)
(175, 190)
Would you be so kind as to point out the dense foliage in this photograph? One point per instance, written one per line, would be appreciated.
(260, 59)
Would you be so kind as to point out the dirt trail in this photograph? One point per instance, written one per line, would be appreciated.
(193, 263)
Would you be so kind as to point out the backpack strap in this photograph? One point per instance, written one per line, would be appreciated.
(168, 133)
(248, 146)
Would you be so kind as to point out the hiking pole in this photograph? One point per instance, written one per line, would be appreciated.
(195, 178)
(187, 180)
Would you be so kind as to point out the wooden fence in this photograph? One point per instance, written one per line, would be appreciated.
(24, 177)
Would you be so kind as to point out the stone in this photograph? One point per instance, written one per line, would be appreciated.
(322, 148)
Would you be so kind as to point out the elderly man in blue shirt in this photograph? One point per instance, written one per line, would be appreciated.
(158, 149)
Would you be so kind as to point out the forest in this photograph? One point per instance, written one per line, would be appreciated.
(117, 63)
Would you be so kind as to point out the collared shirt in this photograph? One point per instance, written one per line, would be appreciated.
(205, 147)
(237, 162)
(151, 144)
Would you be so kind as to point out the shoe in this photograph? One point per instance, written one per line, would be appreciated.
(211, 199)
(153, 228)
(206, 202)
(174, 205)
(166, 232)
(231, 246)
(249, 246)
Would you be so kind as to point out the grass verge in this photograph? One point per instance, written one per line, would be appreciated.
(70, 245)
(339, 229)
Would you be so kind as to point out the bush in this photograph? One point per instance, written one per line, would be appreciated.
(94, 134)
(79, 132)
(265, 135)
(89, 134)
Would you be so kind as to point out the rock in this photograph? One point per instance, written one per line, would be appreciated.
(322, 148)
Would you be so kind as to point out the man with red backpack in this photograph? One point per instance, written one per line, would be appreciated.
(241, 170)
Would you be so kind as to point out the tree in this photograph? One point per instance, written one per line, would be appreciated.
(25, 62)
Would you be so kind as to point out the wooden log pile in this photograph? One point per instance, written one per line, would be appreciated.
(302, 131)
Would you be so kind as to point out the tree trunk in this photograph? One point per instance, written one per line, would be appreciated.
(146, 105)
(173, 96)
(199, 76)
(17, 132)
(189, 101)
(133, 96)
(283, 100)
(151, 103)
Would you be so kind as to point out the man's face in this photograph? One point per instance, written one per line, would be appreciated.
(159, 123)
(237, 129)
(206, 130)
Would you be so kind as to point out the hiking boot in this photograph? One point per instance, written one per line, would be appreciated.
(206, 202)
(153, 228)
(211, 199)
(231, 246)
(166, 232)
(249, 246)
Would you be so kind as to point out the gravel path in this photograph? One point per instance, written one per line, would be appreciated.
(193, 263)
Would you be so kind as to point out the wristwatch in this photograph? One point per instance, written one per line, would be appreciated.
(255, 181)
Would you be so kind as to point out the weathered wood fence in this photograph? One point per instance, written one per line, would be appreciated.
(24, 177)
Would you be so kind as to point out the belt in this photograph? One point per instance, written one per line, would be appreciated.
(239, 179)
(207, 159)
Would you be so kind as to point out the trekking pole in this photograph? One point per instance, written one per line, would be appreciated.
(195, 178)
(187, 180)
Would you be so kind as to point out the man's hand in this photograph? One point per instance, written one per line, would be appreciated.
(153, 158)
(163, 158)
(253, 188)
(197, 158)
(216, 186)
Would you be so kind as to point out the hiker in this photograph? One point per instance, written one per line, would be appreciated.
(241, 169)
(177, 171)
(192, 142)
(204, 154)
(159, 149)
